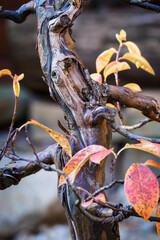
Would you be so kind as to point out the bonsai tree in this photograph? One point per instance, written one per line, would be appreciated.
(90, 106)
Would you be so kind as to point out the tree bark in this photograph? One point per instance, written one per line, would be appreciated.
(70, 84)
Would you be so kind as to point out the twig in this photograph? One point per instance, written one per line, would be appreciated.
(10, 135)
(108, 186)
(138, 125)
(20, 15)
(31, 144)
(146, 5)
(132, 136)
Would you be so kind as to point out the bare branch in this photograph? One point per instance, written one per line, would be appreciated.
(144, 4)
(132, 136)
(138, 125)
(147, 105)
(13, 173)
(20, 15)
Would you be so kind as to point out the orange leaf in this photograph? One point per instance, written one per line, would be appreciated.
(142, 189)
(153, 148)
(158, 223)
(152, 163)
(139, 61)
(59, 138)
(97, 77)
(115, 67)
(132, 47)
(134, 87)
(80, 158)
(99, 197)
(5, 72)
(110, 105)
(104, 58)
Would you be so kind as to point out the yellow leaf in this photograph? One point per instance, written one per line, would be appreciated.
(134, 87)
(115, 67)
(96, 77)
(123, 35)
(119, 39)
(59, 138)
(139, 61)
(110, 105)
(132, 47)
(20, 77)
(5, 72)
(104, 58)
(144, 145)
(16, 87)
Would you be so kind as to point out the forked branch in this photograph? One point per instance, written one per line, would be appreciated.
(14, 172)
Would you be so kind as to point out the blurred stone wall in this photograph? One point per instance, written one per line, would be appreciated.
(93, 32)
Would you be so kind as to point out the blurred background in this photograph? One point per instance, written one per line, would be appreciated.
(30, 210)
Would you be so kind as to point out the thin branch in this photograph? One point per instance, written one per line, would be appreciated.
(10, 134)
(31, 144)
(108, 186)
(13, 173)
(20, 15)
(138, 125)
(132, 136)
(145, 5)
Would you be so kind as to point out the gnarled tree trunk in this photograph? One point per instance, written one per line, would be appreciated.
(70, 84)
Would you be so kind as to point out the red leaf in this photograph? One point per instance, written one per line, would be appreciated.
(98, 157)
(80, 158)
(142, 189)
(99, 197)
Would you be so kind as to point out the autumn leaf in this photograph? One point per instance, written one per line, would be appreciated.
(5, 72)
(99, 197)
(96, 153)
(59, 138)
(139, 61)
(96, 77)
(119, 39)
(123, 35)
(142, 189)
(111, 105)
(134, 87)
(16, 85)
(144, 145)
(152, 163)
(104, 58)
(115, 66)
(158, 223)
(132, 47)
